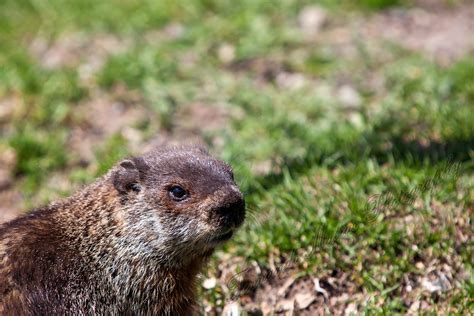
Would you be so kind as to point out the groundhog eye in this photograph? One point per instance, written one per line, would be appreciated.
(177, 193)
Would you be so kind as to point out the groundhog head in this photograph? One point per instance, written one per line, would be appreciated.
(178, 203)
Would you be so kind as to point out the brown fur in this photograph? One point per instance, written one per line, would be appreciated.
(123, 245)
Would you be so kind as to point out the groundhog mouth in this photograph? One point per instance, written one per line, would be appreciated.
(223, 237)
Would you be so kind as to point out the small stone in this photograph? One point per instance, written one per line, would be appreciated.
(311, 19)
(174, 30)
(356, 119)
(414, 308)
(349, 96)
(262, 167)
(285, 305)
(7, 108)
(304, 300)
(209, 283)
(440, 284)
(226, 53)
(292, 81)
(351, 309)
(232, 309)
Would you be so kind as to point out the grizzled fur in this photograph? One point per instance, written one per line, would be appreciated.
(125, 244)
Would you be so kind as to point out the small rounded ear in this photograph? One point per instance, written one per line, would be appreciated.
(129, 175)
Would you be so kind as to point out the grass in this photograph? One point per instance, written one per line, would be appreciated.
(307, 162)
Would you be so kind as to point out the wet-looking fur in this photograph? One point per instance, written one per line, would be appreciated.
(130, 243)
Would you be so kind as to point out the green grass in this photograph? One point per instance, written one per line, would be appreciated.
(307, 163)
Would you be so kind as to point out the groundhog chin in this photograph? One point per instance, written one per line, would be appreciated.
(222, 237)
(223, 230)
(213, 237)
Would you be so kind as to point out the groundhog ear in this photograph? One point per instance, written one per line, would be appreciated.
(129, 175)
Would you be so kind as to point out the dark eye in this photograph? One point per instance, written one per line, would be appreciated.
(178, 193)
(135, 187)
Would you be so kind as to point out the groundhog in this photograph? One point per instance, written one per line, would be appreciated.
(133, 242)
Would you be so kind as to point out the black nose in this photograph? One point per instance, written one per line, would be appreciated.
(232, 212)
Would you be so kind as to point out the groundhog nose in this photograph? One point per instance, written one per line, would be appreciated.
(232, 213)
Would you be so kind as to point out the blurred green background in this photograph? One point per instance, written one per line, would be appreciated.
(318, 105)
